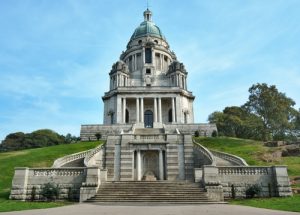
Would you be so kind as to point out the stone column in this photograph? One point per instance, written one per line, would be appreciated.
(142, 110)
(119, 108)
(173, 109)
(137, 110)
(181, 165)
(139, 165)
(155, 110)
(134, 62)
(117, 162)
(159, 110)
(143, 56)
(161, 165)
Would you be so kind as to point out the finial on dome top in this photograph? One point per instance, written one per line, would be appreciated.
(148, 14)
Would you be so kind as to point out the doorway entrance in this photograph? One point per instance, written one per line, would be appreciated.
(148, 119)
(150, 166)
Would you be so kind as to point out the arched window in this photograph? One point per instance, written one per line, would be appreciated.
(185, 118)
(170, 116)
(127, 116)
(148, 119)
(112, 118)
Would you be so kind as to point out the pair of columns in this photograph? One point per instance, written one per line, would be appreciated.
(139, 110)
(140, 164)
(157, 115)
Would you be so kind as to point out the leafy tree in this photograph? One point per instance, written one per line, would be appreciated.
(98, 136)
(39, 138)
(273, 107)
(237, 122)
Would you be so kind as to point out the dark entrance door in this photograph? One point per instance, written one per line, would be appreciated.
(148, 119)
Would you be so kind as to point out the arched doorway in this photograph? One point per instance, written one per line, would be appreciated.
(150, 165)
(148, 119)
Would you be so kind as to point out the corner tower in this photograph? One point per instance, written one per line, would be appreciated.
(148, 85)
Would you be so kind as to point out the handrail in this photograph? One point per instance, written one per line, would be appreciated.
(229, 157)
(205, 152)
(69, 158)
(92, 154)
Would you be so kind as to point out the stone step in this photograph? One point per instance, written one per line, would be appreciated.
(142, 191)
(148, 131)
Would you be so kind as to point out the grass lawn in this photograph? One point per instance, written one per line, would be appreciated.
(284, 204)
(40, 157)
(253, 152)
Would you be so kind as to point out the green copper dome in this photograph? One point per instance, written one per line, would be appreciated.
(147, 28)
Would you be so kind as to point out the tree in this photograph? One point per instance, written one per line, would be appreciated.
(273, 107)
(39, 138)
(237, 122)
(98, 136)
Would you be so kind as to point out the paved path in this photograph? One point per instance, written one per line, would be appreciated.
(213, 209)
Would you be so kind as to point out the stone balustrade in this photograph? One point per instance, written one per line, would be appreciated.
(235, 160)
(273, 180)
(75, 182)
(90, 158)
(205, 152)
(60, 162)
(253, 170)
(58, 172)
(149, 138)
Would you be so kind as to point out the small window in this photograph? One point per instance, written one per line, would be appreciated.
(148, 71)
(148, 55)
(127, 116)
(166, 58)
(156, 42)
(148, 85)
(140, 42)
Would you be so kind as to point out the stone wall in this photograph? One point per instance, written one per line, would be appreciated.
(69, 181)
(205, 129)
(87, 132)
(274, 180)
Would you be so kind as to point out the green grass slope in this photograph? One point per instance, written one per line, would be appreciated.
(255, 153)
(39, 157)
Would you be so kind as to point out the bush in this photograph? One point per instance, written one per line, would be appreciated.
(98, 136)
(214, 133)
(197, 134)
(50, 192)
(253, 190)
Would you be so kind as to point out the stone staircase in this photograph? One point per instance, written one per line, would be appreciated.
(150, 192)
(148, 131)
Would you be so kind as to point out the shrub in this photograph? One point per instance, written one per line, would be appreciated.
(98, 136)
(197, 134)
(33, 194)
(253, 190)
(50, 192)
(214, 133)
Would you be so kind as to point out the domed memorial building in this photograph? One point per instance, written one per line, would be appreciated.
(149, 154)
(148, 111)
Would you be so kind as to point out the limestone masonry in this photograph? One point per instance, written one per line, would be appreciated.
(148, 123)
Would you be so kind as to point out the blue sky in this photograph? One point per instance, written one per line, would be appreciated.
(55, 55)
